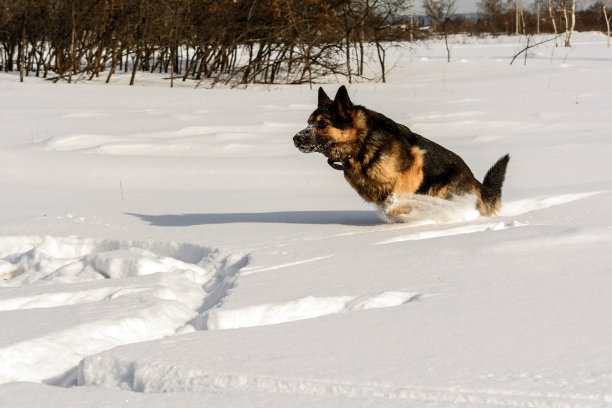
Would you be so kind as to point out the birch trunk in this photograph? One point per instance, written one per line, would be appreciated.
(605, 13)
(551, 13)
(572, 24)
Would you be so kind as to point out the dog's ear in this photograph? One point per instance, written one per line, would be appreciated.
(343, 104)
(323, 98)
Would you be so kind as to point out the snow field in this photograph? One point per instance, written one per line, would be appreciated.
(167, 247)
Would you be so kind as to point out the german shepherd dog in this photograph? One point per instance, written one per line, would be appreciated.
(383, 160)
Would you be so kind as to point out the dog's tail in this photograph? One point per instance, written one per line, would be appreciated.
(491, 191)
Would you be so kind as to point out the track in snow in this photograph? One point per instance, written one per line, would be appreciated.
(68, 298)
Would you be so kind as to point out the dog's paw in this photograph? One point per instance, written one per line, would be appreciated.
(395, 205)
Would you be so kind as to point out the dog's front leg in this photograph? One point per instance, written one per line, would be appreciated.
(395, 205)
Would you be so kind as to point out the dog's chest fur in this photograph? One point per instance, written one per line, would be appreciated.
(394, 167)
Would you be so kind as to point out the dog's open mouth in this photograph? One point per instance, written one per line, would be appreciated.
(335, 164)
(306, 148)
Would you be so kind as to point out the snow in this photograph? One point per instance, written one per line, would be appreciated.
(171, 247)
(305, 308)
(65, 310)
(431, 210)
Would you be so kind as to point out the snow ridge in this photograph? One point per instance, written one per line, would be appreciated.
(117, 292)
(305, 308)
(105, 371)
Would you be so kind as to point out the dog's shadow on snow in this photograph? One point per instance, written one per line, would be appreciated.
(354, 218)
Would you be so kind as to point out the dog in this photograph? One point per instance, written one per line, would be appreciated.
(383, 160)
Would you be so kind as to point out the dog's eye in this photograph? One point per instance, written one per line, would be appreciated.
(321, 124)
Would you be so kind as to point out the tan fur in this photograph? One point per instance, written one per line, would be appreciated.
(388, 175)
(359, 119)
(485, 209)
(410, 180)
(441, 192)
(341, 136)
(348, 135)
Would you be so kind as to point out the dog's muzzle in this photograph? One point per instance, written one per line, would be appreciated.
(305, 140)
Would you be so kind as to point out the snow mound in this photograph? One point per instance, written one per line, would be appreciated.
(190, 141)
(305, 308)
(67, 298)
(523, 206)
(447, 232)
(27, 260)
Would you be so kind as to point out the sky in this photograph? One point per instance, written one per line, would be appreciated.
(462, 6)
(466, 6)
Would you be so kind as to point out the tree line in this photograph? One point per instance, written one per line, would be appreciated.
(227, 41)
(241, 41)
(516, 17)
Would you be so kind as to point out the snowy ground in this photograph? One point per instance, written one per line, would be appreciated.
(170, 247)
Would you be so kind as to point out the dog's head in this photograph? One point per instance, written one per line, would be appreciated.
(333, 129)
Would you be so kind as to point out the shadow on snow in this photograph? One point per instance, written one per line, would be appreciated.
(356, 218)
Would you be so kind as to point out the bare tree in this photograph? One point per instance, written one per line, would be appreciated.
(529, 46)
(385, 29)
(607, 19)
(441, 11)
